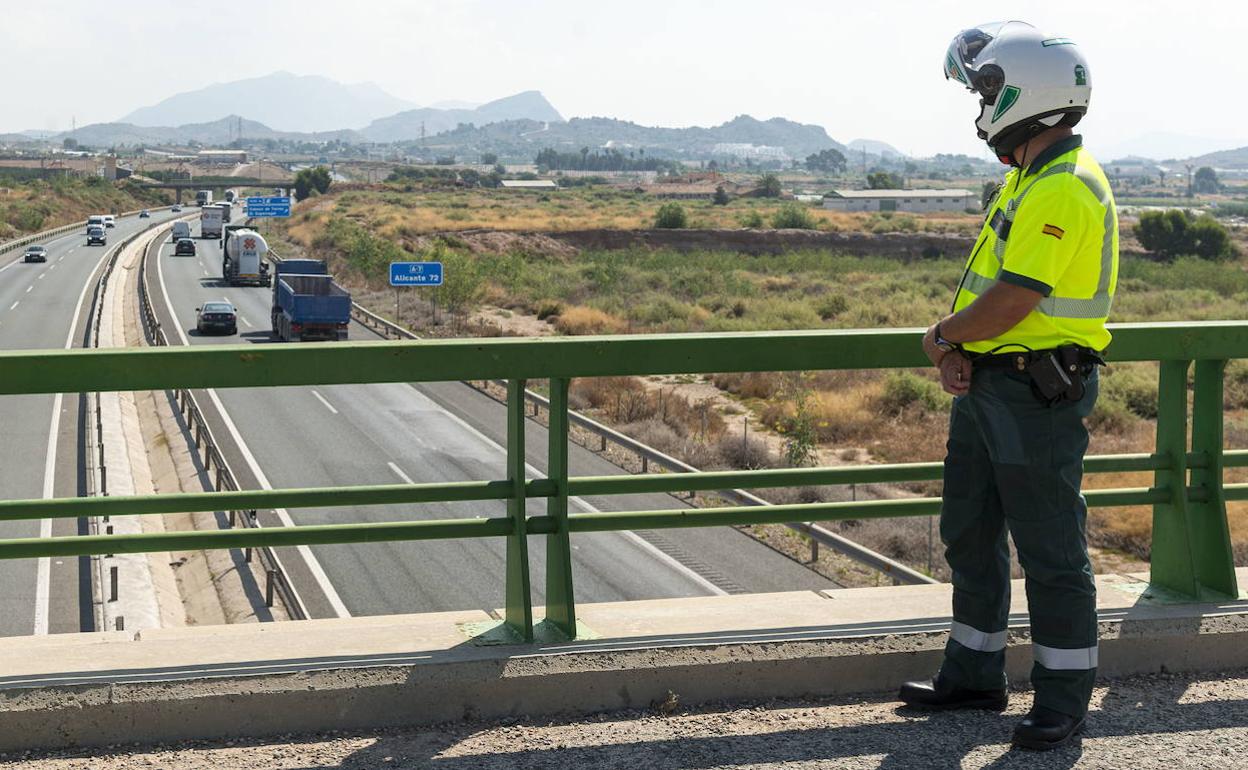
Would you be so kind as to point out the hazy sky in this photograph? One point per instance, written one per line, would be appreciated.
(860, 69)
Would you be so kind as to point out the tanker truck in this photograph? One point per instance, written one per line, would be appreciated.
(243, 253)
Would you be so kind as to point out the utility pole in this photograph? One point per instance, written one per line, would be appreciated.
(1188, 166)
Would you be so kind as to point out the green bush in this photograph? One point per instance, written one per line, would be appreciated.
(548, 307)
(1111, 415)
(793, 216)
(832, 305)
(752, 219)
(671, 216)
(903, 389)
(1174, 232)
(1134, 387)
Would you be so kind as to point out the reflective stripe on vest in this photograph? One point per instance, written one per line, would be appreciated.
(974, 639)
(1058, 659)
(1058, 307)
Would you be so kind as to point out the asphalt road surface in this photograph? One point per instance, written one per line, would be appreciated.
(439, 432)
(43, 306)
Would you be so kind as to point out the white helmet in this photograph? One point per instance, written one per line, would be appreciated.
(1027, 81)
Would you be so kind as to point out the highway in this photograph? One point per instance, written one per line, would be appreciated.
(389, 433)
(45, 305)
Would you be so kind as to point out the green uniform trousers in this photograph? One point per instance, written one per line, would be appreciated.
(1016, 463)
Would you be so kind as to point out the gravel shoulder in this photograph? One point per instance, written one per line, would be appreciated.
(1160, 721)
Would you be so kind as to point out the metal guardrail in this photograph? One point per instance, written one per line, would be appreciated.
(1191, 546)
(900, 573)
(277, 580)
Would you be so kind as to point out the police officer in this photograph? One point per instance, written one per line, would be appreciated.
(1020, 352)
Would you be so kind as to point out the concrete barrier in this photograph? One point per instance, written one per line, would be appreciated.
(367, 672)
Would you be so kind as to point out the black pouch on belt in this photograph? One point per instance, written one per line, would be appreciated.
(1072, 360)
(1050, 379)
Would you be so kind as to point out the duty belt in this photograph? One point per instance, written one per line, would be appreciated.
(1084, 359)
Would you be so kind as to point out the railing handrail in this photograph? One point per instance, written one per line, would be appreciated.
(440, 360)
(1191, 545)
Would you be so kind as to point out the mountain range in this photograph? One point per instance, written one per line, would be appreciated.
(427, 121)
(286, 102)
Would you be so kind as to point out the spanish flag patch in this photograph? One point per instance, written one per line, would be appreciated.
(1054, 231)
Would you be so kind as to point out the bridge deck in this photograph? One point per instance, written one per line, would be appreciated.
(1193, 721)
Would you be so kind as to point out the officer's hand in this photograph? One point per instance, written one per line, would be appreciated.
(933, 353)
(955, 374)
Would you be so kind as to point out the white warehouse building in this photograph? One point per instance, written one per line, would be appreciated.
(900, 200)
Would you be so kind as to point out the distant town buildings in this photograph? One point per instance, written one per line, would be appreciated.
(529, 184)
(916, 201)
(757, 152)
(222, 157)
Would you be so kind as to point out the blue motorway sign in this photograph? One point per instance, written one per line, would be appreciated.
(268, 207)
(415, 273)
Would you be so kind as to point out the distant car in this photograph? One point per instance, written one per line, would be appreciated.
(216, 316)
(96, 236)
(176, 209)
(144, 214)
(184, 246)
(35, 254)
(110, 220)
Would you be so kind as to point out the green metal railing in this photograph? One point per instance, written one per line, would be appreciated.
(1191, 550)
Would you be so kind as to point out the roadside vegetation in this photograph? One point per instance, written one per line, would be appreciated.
(401, 215)
(30, 205)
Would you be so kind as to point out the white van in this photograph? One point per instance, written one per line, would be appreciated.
(95, 220)
(180, 230)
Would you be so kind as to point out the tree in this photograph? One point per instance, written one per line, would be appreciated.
(720, 198)
(1206, 180)
(1175, 232)
(309, 179)
(69, 143)
(827, 161)
(671, 216)
(769, 186)
(883, 180)
(489, 158)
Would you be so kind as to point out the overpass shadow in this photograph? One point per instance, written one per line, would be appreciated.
(824, 733)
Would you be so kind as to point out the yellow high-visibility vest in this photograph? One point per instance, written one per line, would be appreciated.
(1053, 228)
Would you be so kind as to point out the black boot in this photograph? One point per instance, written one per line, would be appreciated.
(1043, 729)
(940, 694)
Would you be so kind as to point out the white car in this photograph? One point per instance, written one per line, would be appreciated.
(110, 220)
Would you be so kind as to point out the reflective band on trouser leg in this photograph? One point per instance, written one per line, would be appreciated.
(1058, 659)
(974, 639)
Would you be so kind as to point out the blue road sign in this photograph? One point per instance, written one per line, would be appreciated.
(415, 273)
(268, 207)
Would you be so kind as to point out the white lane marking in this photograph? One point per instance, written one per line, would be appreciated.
(244, 320)
(314, 565)
(43, 570)
(51, 267)
(28, 288)
(15, 304)
(41, 275)
(587, 508)
(328, 405)
(206, 272)
(62, 259)
(399, 472)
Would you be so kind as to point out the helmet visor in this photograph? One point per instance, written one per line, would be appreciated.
(963, 62)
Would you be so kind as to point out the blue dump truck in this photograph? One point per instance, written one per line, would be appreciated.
(307, 304)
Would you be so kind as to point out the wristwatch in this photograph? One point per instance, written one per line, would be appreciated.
(942, 343)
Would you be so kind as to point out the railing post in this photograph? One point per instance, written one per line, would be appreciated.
(519, 608)
(560, 602)
(1171, 561)
(1212, 556)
